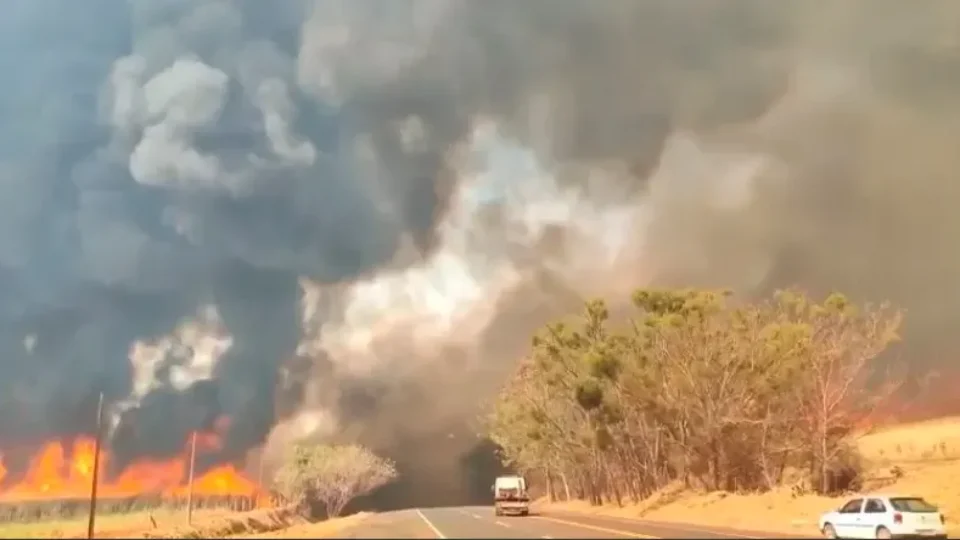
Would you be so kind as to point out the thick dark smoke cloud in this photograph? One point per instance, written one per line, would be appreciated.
(161, 156)
(158, 156)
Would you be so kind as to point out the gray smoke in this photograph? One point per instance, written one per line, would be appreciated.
(159, 157)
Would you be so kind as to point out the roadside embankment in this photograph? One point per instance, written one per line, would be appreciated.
(921, 459)
(237, 524)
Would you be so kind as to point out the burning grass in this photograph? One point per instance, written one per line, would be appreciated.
(60, 470)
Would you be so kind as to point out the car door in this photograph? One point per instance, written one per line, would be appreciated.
(848, 517)
(874, 515)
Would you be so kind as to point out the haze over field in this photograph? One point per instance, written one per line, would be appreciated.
(345, 218)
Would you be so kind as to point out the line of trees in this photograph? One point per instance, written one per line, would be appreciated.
(696, 388)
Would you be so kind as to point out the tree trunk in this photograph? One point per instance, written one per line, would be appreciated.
(551, 493)
(566, 485)
(824, 468)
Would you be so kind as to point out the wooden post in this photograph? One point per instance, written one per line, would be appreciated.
(259, 492)
(98, 442)
(193, 462)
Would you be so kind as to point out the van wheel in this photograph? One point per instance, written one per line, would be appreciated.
(829, 531)
(883, 532)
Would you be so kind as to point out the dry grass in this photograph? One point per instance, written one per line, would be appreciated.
(240, 524)
(923, 442)
(107, 523)
(165, 524)
(320, 529)
(917, 459)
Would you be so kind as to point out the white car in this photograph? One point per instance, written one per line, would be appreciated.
(884, 516)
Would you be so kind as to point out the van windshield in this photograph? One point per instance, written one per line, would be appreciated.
(912, 504)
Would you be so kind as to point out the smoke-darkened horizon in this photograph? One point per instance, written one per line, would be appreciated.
(343, 219)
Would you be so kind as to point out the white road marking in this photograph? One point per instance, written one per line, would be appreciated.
(502, 524)
(680, 527)
(547, 537)
(615, 532)
(430, 524)
(471, 514)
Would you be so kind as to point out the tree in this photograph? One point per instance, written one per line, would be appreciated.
(697, 386)
(839, 342)
(331, 475)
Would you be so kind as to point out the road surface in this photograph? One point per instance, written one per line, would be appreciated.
(480, 522)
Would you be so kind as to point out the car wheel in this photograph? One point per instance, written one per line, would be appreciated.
(829, 531)
(883, 532)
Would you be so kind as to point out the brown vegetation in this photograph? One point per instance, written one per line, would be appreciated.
(286, 522)
(228, 525)
(918, 458)
(119, 522)
(68, 518)
(330, 476)
(322, 529)
(698, 390)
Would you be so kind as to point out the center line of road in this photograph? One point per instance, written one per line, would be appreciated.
(477, 516)
(430, 524)
(502, 524)
(594, 527)
(690, 528)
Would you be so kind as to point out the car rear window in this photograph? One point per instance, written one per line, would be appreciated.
(912, 504)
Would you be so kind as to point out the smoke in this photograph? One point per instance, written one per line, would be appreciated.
(342, 219)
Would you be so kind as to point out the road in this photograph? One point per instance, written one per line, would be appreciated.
(480, 522)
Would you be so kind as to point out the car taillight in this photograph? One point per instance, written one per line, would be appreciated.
(898, 518)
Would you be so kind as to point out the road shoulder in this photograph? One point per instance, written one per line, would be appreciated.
(664, 529)
(320, 529)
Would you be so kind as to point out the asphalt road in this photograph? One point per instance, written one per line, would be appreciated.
(480, 522)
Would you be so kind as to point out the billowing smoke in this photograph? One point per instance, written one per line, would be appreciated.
(343, 218)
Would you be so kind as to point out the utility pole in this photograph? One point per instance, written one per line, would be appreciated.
(193, 463)
(98, 442)
(259, 492)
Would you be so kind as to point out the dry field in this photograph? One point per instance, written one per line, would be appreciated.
(918, 459)
(274, 523)
(106, 523)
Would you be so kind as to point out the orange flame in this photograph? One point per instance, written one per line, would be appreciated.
(59, 472)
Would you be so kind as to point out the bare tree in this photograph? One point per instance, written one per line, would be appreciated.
(839, 343)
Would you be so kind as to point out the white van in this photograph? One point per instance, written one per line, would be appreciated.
(510, 496)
